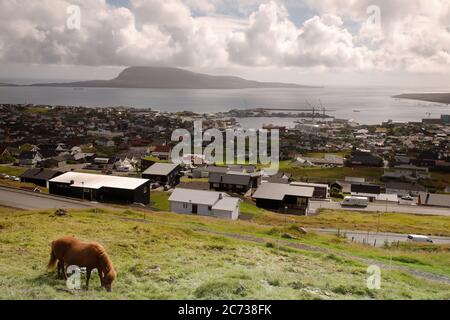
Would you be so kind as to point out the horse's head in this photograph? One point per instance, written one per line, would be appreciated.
(108, 271)
(108, 278)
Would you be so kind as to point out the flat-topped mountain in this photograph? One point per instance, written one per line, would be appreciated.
(172, 78)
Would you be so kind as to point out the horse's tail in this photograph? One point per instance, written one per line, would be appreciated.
(52, 262)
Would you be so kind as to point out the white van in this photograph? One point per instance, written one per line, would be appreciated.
(361, 202)
(419, 238)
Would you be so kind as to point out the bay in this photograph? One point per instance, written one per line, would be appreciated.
(364, 105)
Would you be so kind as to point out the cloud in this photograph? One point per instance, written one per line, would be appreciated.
(413, 36)
(272, 38)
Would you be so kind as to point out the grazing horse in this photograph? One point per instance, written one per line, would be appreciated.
(69, 251)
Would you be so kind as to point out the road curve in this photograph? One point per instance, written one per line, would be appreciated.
(26, 200)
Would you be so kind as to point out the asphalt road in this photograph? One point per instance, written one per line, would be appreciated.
(375, 207)
(31, 201)
(380, 237)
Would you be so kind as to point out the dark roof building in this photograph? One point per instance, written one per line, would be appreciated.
(404, 188)
(163, 173)
(102, 188)
(359, 158)
(283, 198)
(238, 182)
(39, 177)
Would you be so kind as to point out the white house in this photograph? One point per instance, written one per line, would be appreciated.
(204, 203)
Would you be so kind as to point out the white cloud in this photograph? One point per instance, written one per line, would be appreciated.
(414, 34)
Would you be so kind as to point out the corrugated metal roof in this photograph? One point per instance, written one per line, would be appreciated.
(230, 178)
(434, 199)
(277, 191)
(97, 181)
(208, 198)
(226, 204)
(160, 169)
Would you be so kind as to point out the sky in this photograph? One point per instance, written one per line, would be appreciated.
(318, 42)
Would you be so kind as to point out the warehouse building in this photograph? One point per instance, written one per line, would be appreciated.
(101, 188)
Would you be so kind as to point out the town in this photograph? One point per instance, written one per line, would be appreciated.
(123, 155)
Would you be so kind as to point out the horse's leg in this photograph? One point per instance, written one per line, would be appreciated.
(88, 276)
(100, 274)
(65, 271)
(60, 268)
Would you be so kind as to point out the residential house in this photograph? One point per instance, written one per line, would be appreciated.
(371, 191)
(231, 181)
(30, 158)
(204, 203)
(205, 171)
(321, 191)
(283, 198)
(329, 160)
(280, 177)
(164, 174)
(39, 177)
(162, 152)
(367, 159)
(54, 162)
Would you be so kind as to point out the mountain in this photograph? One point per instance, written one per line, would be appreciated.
(171, 78)
(430, 97)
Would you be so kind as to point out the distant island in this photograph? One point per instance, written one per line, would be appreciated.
(429, 97)
(171, 78)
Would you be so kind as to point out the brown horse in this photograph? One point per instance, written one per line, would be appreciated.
(71, 251)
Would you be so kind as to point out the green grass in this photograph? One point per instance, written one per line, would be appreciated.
(155, 159)
(12, 171)
(351, 220)
(159, 200)
(330, 174)
(171, 256)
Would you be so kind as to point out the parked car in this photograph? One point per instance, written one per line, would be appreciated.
(419, 238)
(361, 202)
(408, 198)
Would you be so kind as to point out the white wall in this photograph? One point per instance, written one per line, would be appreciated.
(179, 207)
(233, 215)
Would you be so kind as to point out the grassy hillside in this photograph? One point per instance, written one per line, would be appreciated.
(170, 256)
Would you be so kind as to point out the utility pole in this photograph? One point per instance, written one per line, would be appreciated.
(82, 191)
